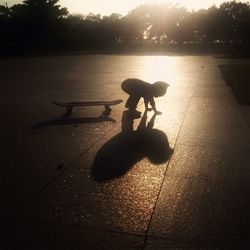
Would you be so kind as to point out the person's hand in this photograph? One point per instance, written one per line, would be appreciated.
(158, 112)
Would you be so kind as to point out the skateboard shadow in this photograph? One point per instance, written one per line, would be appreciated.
(65, 120)
(130, 146)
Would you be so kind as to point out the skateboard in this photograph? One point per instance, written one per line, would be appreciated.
(69, 105)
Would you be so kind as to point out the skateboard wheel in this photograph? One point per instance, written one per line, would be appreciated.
(107, 107)
(69, 110)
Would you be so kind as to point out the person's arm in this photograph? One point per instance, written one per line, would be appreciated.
(152, 103)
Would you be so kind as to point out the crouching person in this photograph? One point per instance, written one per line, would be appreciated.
(138, 89)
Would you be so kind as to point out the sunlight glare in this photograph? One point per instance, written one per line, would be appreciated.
(123, 7)
(158, 68)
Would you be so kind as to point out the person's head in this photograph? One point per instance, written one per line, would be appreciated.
(159, 88)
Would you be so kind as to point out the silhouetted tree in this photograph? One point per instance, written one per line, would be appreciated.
(135, 24)
(43, 17)
(35, 23)
(165, 22)
(44, 24)
(110, 27)
(235, 18)
(5, 19)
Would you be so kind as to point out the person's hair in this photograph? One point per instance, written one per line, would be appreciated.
(160, 88)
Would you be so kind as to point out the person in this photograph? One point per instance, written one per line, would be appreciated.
(138, 89)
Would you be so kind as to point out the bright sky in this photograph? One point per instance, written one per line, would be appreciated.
(106, 7)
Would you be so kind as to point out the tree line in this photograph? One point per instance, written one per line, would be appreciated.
(45, 25)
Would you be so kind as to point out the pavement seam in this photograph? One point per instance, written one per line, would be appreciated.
(82, 226)
(164, 175)
(5, 220)
(245, 116)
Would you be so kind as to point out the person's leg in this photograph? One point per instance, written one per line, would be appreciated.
(132, 102)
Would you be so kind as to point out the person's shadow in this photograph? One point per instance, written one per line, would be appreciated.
(130, 146)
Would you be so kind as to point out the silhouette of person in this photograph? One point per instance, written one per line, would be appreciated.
(137, 88)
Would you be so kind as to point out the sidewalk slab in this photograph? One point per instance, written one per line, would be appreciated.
(196, 198)
(208, 160)
(207, 211)
(153, 243)
(213, 105)
(29, 165)
(58, 236)
(122, 204)
(204, 200)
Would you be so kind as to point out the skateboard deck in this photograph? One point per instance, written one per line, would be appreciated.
(69, 105)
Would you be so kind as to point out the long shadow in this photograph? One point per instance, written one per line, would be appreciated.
(127, 148)
(65, 120)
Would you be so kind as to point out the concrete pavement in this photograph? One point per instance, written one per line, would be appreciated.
(197, 198)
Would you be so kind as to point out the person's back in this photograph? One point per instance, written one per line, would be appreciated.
(136, 87)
